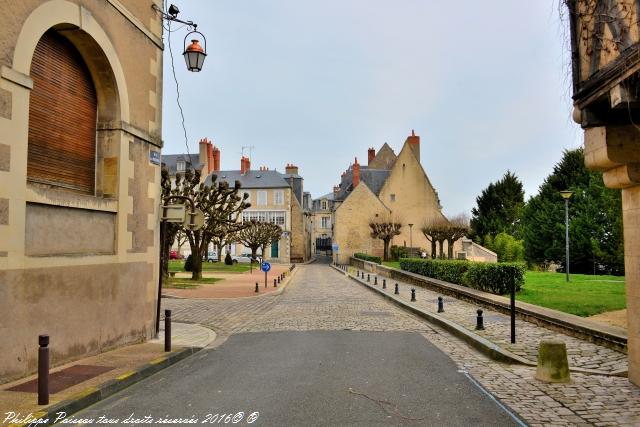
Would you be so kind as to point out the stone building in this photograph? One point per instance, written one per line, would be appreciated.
(389, 186)
(80, 139)
(275, 197)
(320, 220)
(605, 42)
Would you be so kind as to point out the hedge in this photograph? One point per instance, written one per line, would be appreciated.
(367, 257)
(496, 278)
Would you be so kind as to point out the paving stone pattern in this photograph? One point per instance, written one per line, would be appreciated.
(582, 354)
(321, 298)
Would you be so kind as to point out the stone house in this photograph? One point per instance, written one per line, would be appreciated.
(275, 197)
(80, 139)
(389, 186)
(320, 220)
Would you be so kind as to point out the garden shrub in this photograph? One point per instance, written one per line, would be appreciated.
(398, 252)
(367, 257)
(188, 264)
(496, 278)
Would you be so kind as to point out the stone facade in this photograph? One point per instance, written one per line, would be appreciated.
(351, 224)
(81, 268)
(399, 186)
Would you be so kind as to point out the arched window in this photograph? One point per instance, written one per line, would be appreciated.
(62, 117)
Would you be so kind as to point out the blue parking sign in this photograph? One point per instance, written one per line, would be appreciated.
(265, 266)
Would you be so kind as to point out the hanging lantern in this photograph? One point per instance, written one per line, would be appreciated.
(194, 54)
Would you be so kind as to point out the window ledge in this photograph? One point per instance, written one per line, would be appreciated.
(51, 196)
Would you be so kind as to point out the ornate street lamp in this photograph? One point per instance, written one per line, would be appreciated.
(566, 195)
(194, 53)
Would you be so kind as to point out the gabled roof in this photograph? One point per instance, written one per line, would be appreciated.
(374, 178)
(384, 159)
(251, 179)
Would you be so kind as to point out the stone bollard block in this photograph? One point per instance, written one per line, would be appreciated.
(553, 365)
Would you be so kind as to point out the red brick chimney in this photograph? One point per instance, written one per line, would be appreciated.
(291, 169)
(356, 173)
(372, 155)
(245, 165)
(215, 151)
(414, 143)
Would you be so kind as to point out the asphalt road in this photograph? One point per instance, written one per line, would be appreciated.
(318, 378)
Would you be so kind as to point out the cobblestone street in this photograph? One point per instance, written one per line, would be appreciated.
(319, 298)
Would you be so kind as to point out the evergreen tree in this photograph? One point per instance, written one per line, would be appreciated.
(499, 208)
(595, 220)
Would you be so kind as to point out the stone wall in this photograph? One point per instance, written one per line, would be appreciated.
(81, 268)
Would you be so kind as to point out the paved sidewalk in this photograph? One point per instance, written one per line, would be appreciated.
(582, 354)
(236, 285)
(120, 364)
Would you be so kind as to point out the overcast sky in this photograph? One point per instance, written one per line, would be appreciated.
(485, 84)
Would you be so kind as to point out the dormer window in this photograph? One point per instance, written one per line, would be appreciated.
(181, 166)
(324, 205)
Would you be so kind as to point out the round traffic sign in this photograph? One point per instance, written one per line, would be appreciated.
(265, 266)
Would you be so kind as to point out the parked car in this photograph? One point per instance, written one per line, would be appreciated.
(212, 256)
(243, 259)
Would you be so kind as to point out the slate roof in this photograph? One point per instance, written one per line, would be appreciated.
(252, 179)
(171, 161)
(374, 178)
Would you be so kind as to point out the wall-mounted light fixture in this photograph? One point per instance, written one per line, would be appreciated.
(195, 53)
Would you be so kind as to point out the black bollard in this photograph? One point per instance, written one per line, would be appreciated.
(440, 305)
(375, 280)
(275, 285)
(368, 277)
(413, 294)
(43, 370)
(397, 291)
(278, 279)
(257, 289)
(384, 283)
(167, 330)
(479, 321)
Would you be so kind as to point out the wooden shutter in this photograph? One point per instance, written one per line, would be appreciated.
(62, 117)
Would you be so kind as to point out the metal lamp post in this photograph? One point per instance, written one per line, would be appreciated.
(410, 237)
(566, 195)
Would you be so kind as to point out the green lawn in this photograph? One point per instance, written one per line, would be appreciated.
(584, 295)
(178, 265)
(186, 283)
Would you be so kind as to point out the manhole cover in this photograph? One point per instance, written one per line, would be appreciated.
(64, 379)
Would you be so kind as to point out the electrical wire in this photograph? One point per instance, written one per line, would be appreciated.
(173, 70)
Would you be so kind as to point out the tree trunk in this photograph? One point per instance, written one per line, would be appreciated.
(253, 253)
(219, 248)
(385, 256)
(196, 263)
(450, 248)
(441, 246)
(433, 249)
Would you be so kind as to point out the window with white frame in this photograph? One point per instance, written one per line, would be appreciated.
(180, 167)
(325, 222)
(274, 217)
(262, 197)
(278, 197)
(324, 205)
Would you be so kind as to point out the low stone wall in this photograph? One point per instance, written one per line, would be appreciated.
(608, 336)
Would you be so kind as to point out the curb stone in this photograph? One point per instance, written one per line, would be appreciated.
(481, 344)
(93, 395)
